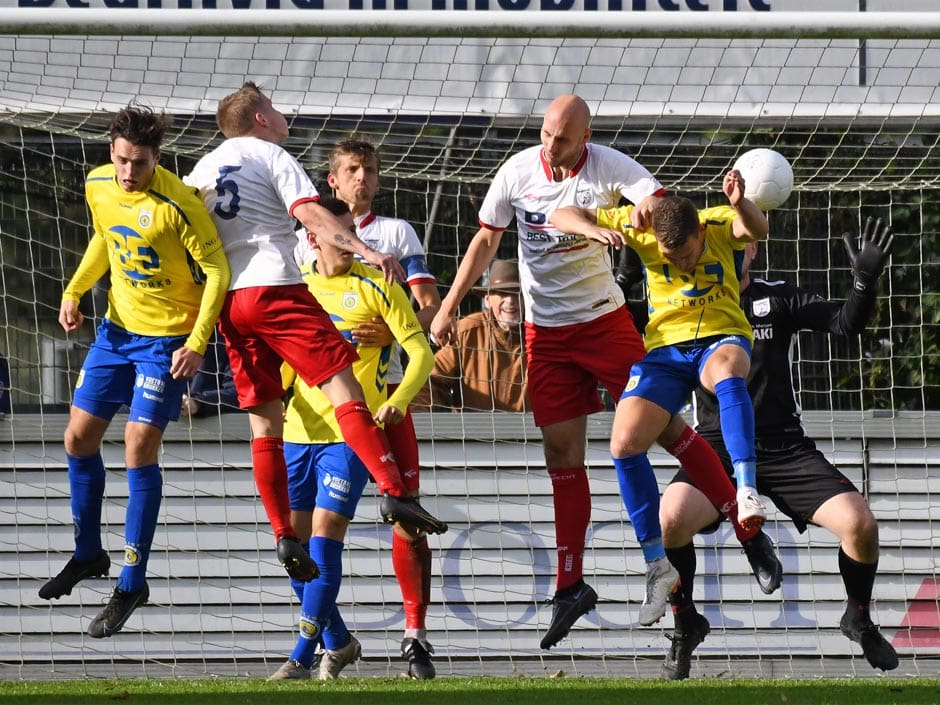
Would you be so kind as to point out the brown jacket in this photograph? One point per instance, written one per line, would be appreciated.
(483, 370)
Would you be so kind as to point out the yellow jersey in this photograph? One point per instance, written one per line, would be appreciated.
(686, 307)
(352, 298)
(158, 242)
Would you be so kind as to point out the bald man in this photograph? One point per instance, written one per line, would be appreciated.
(574, 310)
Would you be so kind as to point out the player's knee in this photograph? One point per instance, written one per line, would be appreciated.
(676, 531)
(79, 443)
(865, 530)
(626, 444)
(858, 534)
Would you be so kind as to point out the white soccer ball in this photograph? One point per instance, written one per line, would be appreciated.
(768, 177)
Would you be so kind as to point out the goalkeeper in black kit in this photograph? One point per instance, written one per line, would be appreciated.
(799, 479)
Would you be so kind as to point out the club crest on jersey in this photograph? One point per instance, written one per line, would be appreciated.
(350, 300)
(584, 197)
(760, 307)
(144, 219)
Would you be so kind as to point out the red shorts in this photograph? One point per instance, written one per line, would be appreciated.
(267, 325)
(565, 364)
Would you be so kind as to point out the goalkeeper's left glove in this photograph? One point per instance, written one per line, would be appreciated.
(869, 260)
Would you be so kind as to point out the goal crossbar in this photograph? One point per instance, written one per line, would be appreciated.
(431, 23)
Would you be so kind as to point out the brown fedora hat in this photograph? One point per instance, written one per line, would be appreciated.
(503, 275)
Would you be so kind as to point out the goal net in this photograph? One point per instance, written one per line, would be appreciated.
(851, 104)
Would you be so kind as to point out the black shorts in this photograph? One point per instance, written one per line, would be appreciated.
(794, 475)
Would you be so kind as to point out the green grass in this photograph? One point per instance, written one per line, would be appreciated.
(475, 691)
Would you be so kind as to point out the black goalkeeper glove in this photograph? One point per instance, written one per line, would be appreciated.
(869, 260)
(629, 269)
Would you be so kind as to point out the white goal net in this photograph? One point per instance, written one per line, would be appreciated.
(850, 100)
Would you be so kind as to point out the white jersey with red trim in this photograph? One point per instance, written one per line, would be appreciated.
(394, 236)
(565, 278)
(251, 187)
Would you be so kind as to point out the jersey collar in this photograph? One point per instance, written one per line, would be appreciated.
(364, 220)
(547, 170)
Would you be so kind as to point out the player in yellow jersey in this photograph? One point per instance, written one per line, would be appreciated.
(355, 164)
(169, 275)
(697, 335)
(325, 477)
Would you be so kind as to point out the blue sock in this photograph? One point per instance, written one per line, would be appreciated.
(86, 484)
(640, 494)
(336, 629)
(319, 600)
(737, 428)
(140, 523)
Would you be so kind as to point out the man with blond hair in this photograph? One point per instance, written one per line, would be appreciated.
(255, 191)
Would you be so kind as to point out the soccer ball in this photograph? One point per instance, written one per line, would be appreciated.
(768, 177)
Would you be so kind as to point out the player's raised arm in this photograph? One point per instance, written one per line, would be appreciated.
(751, 224)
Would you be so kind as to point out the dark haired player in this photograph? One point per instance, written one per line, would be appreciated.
(168, 280)
(790, 470)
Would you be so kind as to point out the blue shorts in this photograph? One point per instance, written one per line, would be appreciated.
(123, 368)
(667, 376)
(325, 475)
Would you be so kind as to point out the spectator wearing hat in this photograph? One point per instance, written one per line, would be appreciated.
(484, 368)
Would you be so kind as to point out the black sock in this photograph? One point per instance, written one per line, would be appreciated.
(859, 579)
(683, 560)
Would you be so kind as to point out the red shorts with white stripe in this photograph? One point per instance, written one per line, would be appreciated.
(566, 363)
(267, 325)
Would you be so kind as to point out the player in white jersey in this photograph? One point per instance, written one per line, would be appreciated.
(354, 177)
(569, 277)
(573, 310)
(254, 190)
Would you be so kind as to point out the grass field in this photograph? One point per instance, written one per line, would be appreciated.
(476, 691)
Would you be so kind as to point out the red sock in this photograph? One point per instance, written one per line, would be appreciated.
(412, 563)
(270, 471)
(404, 444)
(368, 441)
(705, 469)
(572, 497)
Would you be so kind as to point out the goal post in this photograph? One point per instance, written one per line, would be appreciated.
(849, 98)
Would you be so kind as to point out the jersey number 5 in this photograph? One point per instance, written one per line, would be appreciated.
(226, 187)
